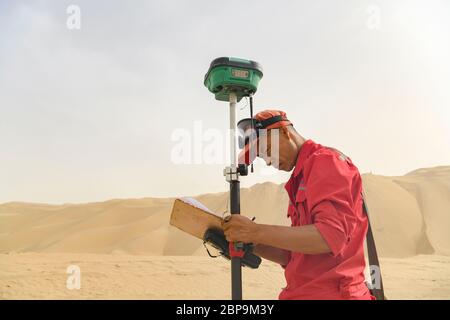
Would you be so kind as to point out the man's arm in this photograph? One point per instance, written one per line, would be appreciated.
(305, 239)
(273, 254)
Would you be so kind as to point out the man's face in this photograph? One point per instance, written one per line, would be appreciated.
(282, 156)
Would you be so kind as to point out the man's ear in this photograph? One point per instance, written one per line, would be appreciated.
(286, 132)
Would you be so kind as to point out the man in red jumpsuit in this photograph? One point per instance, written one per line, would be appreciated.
(322, 252)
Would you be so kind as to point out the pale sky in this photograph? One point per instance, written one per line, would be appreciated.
(88, 114)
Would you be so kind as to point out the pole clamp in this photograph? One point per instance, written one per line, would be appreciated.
(231, 174)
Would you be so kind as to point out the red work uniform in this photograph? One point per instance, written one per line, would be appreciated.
(325, 190)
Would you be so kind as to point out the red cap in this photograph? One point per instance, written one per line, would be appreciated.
(269, 119)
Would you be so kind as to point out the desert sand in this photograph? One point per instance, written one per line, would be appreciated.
(126, 249)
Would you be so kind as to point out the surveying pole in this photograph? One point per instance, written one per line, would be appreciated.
(231, 79)
(232, 176)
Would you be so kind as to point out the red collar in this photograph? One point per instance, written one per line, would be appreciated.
(307, 148)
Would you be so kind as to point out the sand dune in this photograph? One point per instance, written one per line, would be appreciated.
(134, 226)
(410, 215)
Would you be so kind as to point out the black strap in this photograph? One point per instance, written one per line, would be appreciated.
(378, 293)
(252, 125)
(209, 253)
(265, 123)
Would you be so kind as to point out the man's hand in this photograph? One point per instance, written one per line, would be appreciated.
(240, 228)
